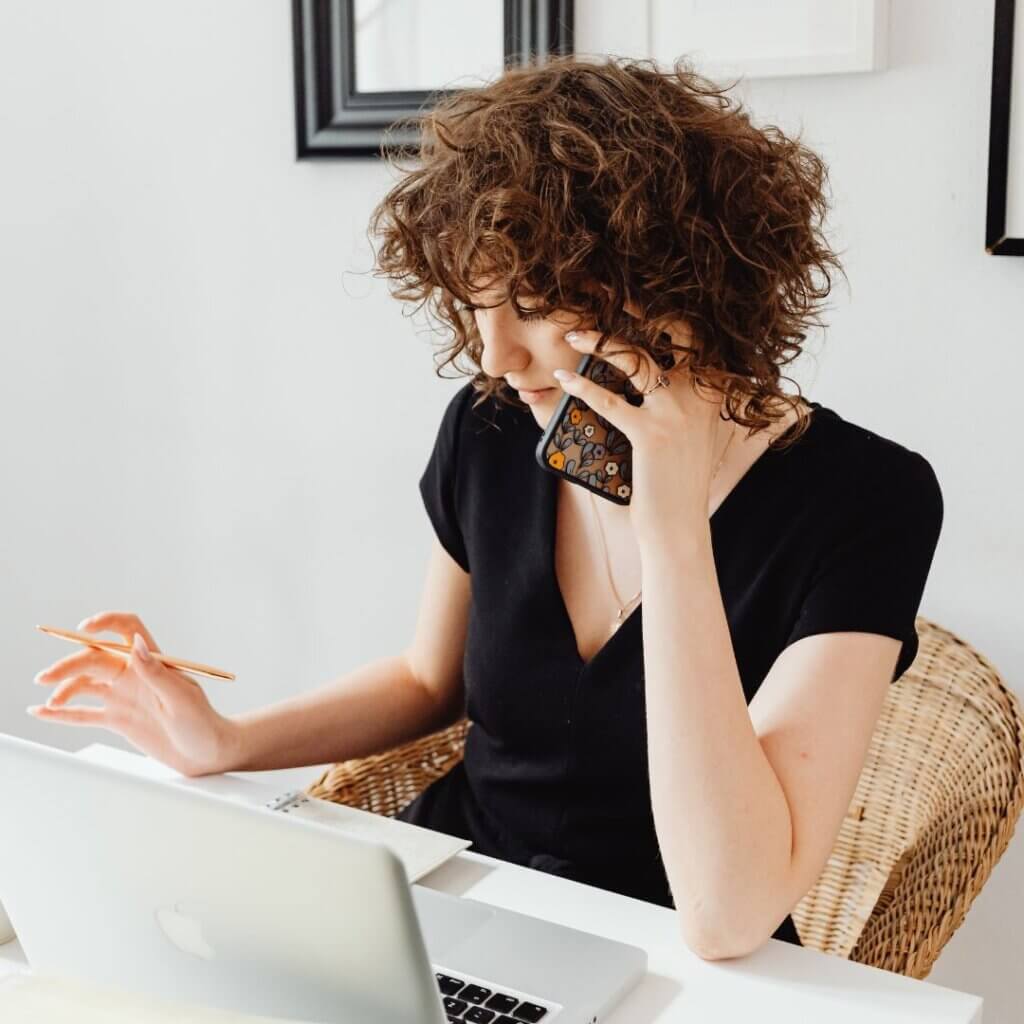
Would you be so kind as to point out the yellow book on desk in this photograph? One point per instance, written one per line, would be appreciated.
(52, 999)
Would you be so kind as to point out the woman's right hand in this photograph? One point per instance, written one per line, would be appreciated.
(160, 710)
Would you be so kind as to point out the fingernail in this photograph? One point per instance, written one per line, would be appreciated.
(564, 374)
(572, 337)
(32, 709)
(83, 623)
(140, 647)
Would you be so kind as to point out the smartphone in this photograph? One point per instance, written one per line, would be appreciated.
(585, 448)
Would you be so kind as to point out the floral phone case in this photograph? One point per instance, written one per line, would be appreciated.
(584, 447)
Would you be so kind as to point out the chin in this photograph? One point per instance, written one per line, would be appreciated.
(543, 411)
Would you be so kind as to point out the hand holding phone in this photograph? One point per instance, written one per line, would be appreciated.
(584, 447)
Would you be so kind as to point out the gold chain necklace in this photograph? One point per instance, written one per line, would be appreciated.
(620, 616)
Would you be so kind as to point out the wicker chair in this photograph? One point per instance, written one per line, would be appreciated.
(934, 809)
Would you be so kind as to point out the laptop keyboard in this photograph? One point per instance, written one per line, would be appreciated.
(470, 1003)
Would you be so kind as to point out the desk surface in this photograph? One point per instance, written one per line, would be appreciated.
(779, 982)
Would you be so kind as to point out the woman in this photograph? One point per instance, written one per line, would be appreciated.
(702, 756)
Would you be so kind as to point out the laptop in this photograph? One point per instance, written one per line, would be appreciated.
(176, 893)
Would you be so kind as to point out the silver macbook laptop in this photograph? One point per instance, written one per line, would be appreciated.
(176, 893)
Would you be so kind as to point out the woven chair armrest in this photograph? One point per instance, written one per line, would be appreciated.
(932, 886)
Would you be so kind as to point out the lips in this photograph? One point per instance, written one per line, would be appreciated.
(532, 397)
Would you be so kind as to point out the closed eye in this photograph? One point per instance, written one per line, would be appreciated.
(526, 317)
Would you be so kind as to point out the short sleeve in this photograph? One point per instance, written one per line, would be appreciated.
(438, 482)
(872, 577)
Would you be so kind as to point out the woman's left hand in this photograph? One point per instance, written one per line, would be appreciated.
(676, 434)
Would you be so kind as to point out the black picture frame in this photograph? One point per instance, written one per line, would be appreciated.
(333, 119)
(996, 241)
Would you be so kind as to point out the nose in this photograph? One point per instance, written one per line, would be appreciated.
(503, 348)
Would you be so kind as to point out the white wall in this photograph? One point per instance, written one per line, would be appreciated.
(200, 378)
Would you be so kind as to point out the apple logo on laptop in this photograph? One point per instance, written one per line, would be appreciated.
(184, 931)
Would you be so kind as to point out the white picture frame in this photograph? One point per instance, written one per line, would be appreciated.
(728, 39)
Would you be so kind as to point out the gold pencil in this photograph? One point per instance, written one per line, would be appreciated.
(113, 645)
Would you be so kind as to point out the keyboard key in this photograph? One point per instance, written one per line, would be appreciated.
(453, 1007)
(478, 1015)
(474, 993)
(457, 1019)
(502, 1003)
(529, 1012)
(507, 1020)
(448, 985)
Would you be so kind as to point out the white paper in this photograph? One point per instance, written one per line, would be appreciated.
(420, 850)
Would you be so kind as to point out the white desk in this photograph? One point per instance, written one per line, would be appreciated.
(778, 983)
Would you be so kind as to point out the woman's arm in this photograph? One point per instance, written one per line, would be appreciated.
(379, 705)
(166, 714)
(747, 802)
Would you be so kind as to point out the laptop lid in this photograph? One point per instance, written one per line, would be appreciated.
(182, 895)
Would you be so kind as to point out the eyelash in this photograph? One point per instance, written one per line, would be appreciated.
(526, 317)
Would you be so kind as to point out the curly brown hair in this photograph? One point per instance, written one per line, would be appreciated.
(559, 177)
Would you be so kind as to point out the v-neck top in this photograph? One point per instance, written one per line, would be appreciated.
(835, 533)
(635, 611)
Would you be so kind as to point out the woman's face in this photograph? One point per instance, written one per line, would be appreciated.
(525, 351)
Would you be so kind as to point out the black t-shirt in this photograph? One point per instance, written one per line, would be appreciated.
(835, 533)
